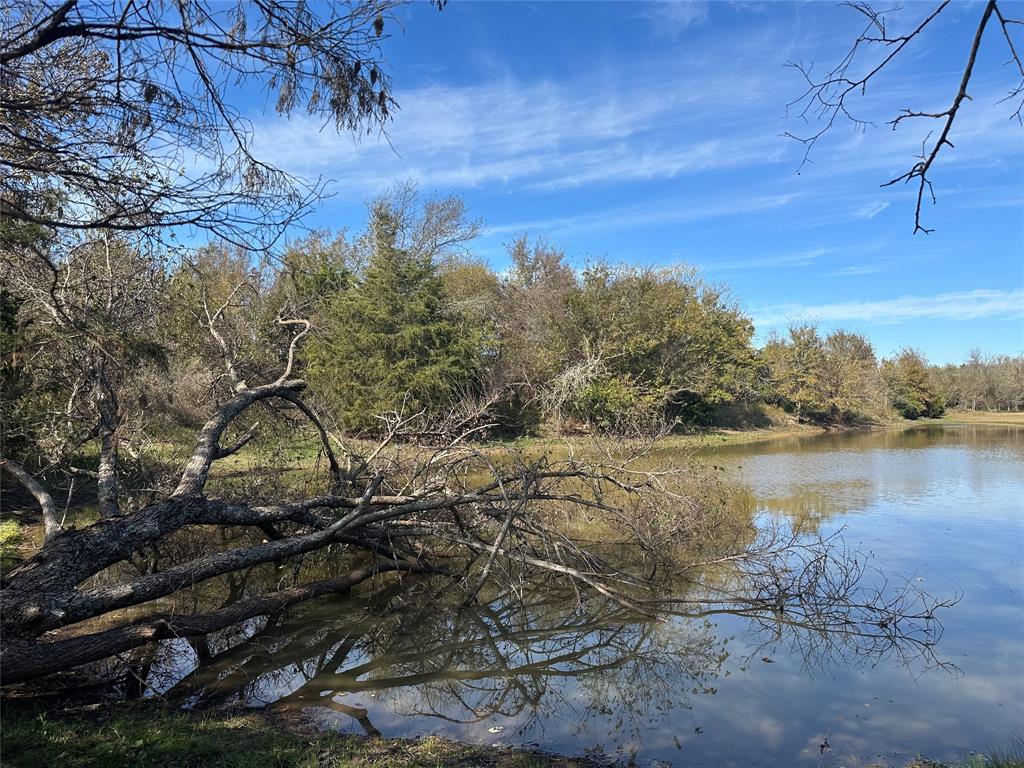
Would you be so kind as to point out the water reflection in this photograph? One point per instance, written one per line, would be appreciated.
(535, 665)
(814, 479)
(938, 507)
(517, 658)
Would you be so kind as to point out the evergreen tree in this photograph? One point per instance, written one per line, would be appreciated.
(393, 338)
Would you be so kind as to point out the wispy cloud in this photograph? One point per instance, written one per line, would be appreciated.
(798, 259)
(656, 116)
(870, 210)
(656, 212)
(670, 18)
(862, 269)
(960, 305)
(609, 124)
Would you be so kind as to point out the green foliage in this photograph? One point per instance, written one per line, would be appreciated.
(831, 379)
(393, 339)
(669, 335)
(798, 366)
(403, 317)
(315, 269)
(15, 378)
(851, 381)
(998, 757)
(615, 404)
(909, 387)
(10, 538)
(691, 408)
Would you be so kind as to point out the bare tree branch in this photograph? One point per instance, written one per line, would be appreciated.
(826, 98)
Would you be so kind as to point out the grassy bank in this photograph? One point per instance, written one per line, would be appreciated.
(152, 736)
(776, 424)
(981, 417)
(1012, 757)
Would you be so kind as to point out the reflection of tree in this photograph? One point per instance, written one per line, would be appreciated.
(822, 598)
(809, 506)
(510, 655)
(538, 652)
(813, 480)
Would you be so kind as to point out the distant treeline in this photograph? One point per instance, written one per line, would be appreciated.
(403, 319)
(982, 383)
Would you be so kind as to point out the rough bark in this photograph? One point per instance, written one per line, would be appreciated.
(208, 449)
(24, 661)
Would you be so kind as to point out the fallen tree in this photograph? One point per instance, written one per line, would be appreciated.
(68, 605)
(613, 521)
(391, 521)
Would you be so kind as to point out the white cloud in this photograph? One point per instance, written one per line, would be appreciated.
(706, 108)
(798, 259)
(670, 18)
(656, 212)
(660, 117)
(870, 210)
(862, 269)
(959, 305)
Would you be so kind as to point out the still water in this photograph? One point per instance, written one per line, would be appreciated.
(940, 507)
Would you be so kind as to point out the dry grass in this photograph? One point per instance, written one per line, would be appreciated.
(983, 417)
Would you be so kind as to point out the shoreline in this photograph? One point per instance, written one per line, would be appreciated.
(153, 735)
(996, 418)
(721, 435)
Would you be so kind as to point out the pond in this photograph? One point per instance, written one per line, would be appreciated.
(941, 508)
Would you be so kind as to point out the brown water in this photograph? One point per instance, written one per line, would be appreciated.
(942, 507)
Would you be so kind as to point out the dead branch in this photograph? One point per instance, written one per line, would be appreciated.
(826, 99)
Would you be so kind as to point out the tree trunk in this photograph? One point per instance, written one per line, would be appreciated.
(51, 523)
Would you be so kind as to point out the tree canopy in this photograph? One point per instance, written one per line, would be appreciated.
(120, 117)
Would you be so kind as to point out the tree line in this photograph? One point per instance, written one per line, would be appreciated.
(401, 319)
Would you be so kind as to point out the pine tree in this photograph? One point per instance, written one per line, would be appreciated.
(393, 338)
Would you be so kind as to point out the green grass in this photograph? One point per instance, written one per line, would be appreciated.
(10, 538)
(999, 757)
(152, 736)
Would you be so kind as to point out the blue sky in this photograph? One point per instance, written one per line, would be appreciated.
(650, 134)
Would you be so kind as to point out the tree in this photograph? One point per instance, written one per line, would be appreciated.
(677, 344)
(119, 116)
(390, 515)
(393, 341)
(799, 367)
(534, 328)
(909, 387)
(850, 377)
(990, 383)
(91, 324)
(314, 269)
(118, 130)
(827, 97)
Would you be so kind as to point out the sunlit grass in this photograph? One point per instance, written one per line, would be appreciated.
(985, 417)
(153, 736)
(10, 538)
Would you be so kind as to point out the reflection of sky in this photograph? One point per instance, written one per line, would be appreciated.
(940, 507)
(947, 512)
